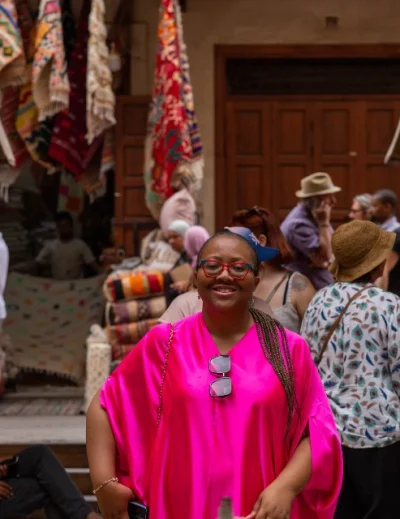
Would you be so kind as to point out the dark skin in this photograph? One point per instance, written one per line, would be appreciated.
(227, 318)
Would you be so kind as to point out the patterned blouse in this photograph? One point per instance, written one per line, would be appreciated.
(360, 368)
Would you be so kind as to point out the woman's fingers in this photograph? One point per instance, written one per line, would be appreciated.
(6, 491)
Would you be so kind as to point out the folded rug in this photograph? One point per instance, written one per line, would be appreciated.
(120, 351)
(12, 57)
(130, 285)
(129, 333)
(50, 84)
(133, 311)
(100, 96)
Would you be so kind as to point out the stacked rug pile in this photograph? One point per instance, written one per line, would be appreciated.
(135, 301)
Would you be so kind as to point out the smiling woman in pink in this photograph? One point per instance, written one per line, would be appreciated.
(226, 403)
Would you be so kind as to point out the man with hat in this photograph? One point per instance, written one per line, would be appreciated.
(308, 231)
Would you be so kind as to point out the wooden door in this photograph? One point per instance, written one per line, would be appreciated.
(130, 207)
(337, 149)
(378, 120)
(291, 153)
(248, 179)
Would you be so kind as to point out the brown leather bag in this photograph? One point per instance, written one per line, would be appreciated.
(337, 321)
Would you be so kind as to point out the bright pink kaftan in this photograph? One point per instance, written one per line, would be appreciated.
(208, 448)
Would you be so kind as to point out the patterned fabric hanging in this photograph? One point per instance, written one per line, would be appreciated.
(69, 145)
(12, 57)
(100, 96)
(71, 197)
(50, 85)
(12, 144)
(36, 135)
(173, 142)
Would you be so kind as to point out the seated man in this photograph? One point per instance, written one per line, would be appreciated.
(42, 483)
(66, 256)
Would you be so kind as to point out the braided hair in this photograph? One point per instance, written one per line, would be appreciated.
(271, 334)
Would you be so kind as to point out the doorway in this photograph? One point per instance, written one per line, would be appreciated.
(285, 112)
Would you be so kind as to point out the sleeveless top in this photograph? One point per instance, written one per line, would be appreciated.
(286, 314)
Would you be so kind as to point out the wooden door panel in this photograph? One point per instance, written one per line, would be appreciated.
(289, 177)
(248, 154)
(336, 149)
(130, 207)
(379, 119)
(291, 153)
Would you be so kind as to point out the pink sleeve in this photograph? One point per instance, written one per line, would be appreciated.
(315, 419)
(130, 396)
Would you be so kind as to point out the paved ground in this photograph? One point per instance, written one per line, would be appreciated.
(42, 429)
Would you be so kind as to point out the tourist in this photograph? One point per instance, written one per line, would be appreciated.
(223, 403)
(289, 293)
(353, 329)
(384, 207)
(176, 239)
(361, 207)
(308, 231)
(195, 238)
(67, 256)
(191, 303)
(40, 482)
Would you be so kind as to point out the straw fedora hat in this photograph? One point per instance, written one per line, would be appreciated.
(359, 247)
(317, 184)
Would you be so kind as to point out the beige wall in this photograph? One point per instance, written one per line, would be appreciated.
(210, 22)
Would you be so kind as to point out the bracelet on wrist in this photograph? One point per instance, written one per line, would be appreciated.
(111, 480)
(322, 225)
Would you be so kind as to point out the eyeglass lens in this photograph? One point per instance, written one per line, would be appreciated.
(221, 387)
(220, 365)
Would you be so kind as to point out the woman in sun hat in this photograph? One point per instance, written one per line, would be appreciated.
(353, 329)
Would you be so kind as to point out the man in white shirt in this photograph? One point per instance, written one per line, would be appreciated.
(4, 258)
(66, 256)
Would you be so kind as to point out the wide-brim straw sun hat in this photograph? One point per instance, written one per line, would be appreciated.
(359, 247)
(317, 184)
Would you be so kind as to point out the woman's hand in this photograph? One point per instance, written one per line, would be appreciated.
(3, 471)
(275, 502)
(6, 491)
(113, 501)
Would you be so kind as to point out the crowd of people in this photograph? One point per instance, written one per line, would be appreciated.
(292, 410)
(273, 377)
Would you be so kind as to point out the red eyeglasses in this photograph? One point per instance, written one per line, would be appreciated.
(237, 270)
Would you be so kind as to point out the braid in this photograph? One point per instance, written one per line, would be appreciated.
(268, 331)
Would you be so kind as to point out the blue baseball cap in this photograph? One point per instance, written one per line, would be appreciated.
(263, 253)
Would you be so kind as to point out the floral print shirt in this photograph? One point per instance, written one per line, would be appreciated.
(360, 368)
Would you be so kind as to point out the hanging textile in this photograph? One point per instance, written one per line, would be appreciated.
(12, 144)
(12, 57)
(69, 28)
(71, 197)
(100, 96)
(107, 158)
(173, 138)
(50, 85)
(36, 135)
(69, 145)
